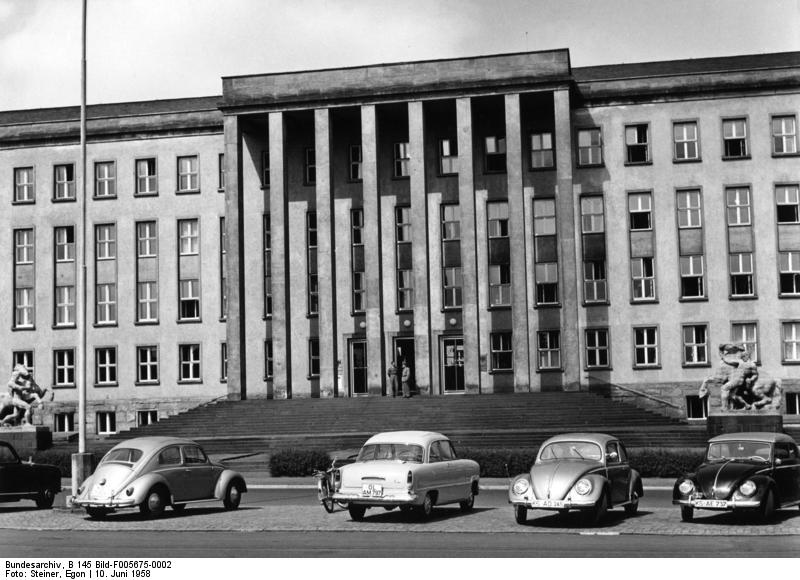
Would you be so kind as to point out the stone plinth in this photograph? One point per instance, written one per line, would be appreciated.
(27, 439)
(720, 422)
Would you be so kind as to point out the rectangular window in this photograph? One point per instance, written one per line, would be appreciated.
(737, 202)
(189, 300)
(265, 168)
(106, 422)
(597, 348)
(542, 152)
(645, 346)
(310, 167)
(546, 283)
(105, 366)
(146, 240)
(312, 278)
(792, 403)
(544, 217)
(452, 284)
(689, 209)
(146, 177)
(106, 297)
(692, 277)
(147, 364)
(223, 269)
(451, 222)
(695, 344)
(696, 408)
(686, 141)
(64, 182)
(221, 172)
(23, 246)
(147, 417)
(787, 198)
(402, 222)
(64, 368)
(65, 243)
(637, 143)
(497, 219)
(741, 272)
(402, 160)
(495, 154)
(189, 236)
(24, 357)
(105, 179)
(267, 266)
(313, 357)
(65, 306)
(223, 362)
(590, 147)
(105, 236)
(359, 281)
(63, 422)
(746, 333)
(448, 157)
(644, 279)
(147, 302)
(791, 342)
(502, 354)
(594, 281)
(734, 138)
(24, 189)
(592, 219)
(789, 266)
(784, 135)
(405, 290)
(268, 360)
(356, 160)
(188, 174)
(499, 285)
(189, 363)
(548, 348)
(24, 315)
(640, 211)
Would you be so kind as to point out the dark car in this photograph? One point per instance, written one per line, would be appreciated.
(751, 472)
(19, 480)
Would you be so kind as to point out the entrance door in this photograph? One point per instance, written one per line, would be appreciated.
(358, 367)
(452, 357)
(404, 351)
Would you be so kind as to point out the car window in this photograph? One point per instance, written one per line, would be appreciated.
(193, 454)
(390, 451)
(123, 455)
(786, 452)
(170, 456)
(623, 454)
(435, 454)
(450, 449)
(446, 451)
(570, 450)
(612, 452)
(6, 455)
(753, 450)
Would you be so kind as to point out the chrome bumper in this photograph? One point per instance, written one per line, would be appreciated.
(108, 503)
(730, 505)
(396, 499)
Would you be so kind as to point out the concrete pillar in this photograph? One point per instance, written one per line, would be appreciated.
(517, 235)
(328, 352)
(278, 211)
(234, 232)
(419, 248)
(469, 265)
(372, 251)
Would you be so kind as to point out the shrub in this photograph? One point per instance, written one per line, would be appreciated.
(297, 462)
(493, 461)
(61, 458)
(663, 463)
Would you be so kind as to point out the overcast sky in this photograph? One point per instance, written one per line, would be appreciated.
(158, 49)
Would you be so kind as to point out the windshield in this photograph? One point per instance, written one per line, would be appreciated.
(753, 450)
(571, 450)
(390, 452)
(123, 455)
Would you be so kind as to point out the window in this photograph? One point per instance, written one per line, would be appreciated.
(544, 217)
(268, 360)
(23, 247)
(741, 271)
(696, 408)
(310, 167)
(546, 283)
(147, 364)
(65, 306)
(64, 182)
(637, 143)
(793, 403)
(451, 222)
(24, 189)
(106, 422)
(63, 422)
(106, 311)
(64, 368)
(502, 355)
(497, 216)
(784, 135)
(223, 362)
(499, 258)
(23, 308)
(189, 363)
(402, 160)
(645, 346)
(594, 281)
(24, 357)
(267, 266)
(644, 280)
(737, 201)
(788, 199)
(640, 211)
(147, 302)
(686, 142)
(221, 172)
(313, 357)
(734, 138)
(597, 348)
(265, 168)
(592, 220)
(65, 243)
(105, 236)
(189, 300)
(448, 157)
(146, 240)
(105, 179)
(146, 177)
(451, 256)
(789, 264)
(541, 150)
(689, 209)
(223, 269)
(189, 234)
(791, 342)
(495, 154)
(312, 285)
(747, 334)
(405, 290)
(356, 160)
(499, 285)
(359, 290)
(105, 366)
(695, 344)
(147, 417)
(692, 277)
(188, 174)
(548, 347)
(402, 217)
(590, 147)
(452, 286)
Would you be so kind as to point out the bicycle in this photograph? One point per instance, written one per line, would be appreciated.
(325, 488)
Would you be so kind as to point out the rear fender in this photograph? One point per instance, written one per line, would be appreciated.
(599, 487)
(225, 479)
(636, 484)
(142, 485)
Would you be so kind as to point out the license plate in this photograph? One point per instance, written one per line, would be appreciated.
(372, 490)
(547, 503)
(710, 503)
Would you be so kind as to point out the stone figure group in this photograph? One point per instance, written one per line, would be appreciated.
(741, 387)
(24, 394)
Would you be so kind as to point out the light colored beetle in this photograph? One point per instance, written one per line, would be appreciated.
(409, 470)
(154, 472)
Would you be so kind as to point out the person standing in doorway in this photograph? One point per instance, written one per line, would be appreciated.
(406, 378)
(392, 379)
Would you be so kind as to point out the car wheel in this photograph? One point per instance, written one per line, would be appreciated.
(687, 513)
(97, 513)
(468, 503)
(324, 495)
(45, 499)
(597, 513)
(632, 507)
(426, 509)
(153, 504)
(767, 508)
(233, 496)
(178, 507)
(357, 512)
(520, 514)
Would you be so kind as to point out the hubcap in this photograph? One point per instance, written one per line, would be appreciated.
(154, 502)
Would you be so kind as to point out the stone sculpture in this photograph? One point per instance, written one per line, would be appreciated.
(24, 394)
(741, 387)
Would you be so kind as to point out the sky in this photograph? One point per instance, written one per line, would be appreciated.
(161, 49)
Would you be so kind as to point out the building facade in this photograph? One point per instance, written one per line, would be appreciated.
(500, 224)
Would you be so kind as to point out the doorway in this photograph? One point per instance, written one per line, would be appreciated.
(358, 367)
(452, 365)
(404, 351)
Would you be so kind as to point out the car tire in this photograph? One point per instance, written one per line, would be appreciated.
(468, 503)
(357, 512)
(767, 508)
(632, 507)
(45, 499)
(178, 507)
(426, 509)
(324, 495)
(687, 513)
(97, 513)
(598, 512)
(233, 496)
(153, 504)
(520, 514)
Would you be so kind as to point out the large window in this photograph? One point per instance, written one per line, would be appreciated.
(267, 266)
(741, 272)
(789, 272)
(597, 348)
(310, 167)
(405, 277)
(312, 278)
(105, 366)
(265, 168)
(188, 174)
(734, 138)
(542, 153)
(23, 246)
(24, 316)
(452, 282)
(637, 143)
(105, 179)
(695, 344)
(548, 348)
(189, 300)
(645, 346)
(494, 154)
(64, 367)
(313, 357)
(65, 306)
(640, 211)
(546, 283)
(502, 355)
(359, 279)
(592, 220)
(24, 188)
(189, 363)
(791, 342)
(643, 279)
(402, 160)
(105, 236)
(147, 302)
(499, 258)
(737, 201)
(747, 334)
(189, 232)
(146, 240)
(448, 157)
(106, 422)
(147, 365)
(787, 198)
(269, 361)
(356, 162)
(784, 135)
(106, 304)
(65, 243)
(64, 182)
(686, 141)
(692, 277)
(590, 147)
(594, 281)
(146, 177)
(689, 209)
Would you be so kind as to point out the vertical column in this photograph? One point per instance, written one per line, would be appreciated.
(234, 230)
(419, 248)
(278, 210)
(565, 209)
(469, 264)
(325, 255)
(516, 212)
(372, 248)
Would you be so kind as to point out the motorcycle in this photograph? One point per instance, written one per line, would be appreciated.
(325, 488)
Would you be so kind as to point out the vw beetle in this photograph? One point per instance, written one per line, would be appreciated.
(578, 471)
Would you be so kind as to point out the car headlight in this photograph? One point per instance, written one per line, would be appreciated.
(520, 486)
(748, 488)
(583, 487)
(686, 487)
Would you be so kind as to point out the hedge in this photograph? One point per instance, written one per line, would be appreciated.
(298, 462)
(61, 458)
